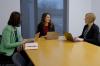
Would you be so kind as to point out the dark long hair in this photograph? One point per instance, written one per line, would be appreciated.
(43, 19)
(14, 19)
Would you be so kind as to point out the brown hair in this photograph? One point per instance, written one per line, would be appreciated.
(13, 21)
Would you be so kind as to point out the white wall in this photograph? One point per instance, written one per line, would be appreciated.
(6, 7)
(96, 10)
(77, 10)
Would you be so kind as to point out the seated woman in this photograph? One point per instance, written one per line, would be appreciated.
(91, 31)
(45, 25)
(11, 39)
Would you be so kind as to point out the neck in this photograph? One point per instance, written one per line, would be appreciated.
(90, 24)
(14, 28)
(46, 23)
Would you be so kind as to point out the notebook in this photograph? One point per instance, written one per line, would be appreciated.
(68, 36)
(33, 45)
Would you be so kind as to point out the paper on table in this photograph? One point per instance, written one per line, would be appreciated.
(31, 45)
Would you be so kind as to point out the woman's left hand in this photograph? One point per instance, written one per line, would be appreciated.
(20, 48)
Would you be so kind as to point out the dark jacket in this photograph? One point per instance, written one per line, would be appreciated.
(51, 28)
(92, 35)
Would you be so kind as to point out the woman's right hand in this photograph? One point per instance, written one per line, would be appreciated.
(77, 39)
(20, 48)
(27, 41)
(24, 41)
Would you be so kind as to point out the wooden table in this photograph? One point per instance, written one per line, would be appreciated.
(64, 53)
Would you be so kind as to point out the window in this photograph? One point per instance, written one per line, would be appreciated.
(55, 8)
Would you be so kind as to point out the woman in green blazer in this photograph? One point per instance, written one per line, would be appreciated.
(10, 37)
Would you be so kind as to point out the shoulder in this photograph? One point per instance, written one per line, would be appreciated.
(95, 26)
(8, 28)
(52, 24)
(40, 24)
(85, 26)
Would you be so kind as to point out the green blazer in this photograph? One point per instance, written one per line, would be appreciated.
(8, 41)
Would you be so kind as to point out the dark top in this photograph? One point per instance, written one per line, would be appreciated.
(45, 29)
(42, 31)
(92, 35)
(16, 37)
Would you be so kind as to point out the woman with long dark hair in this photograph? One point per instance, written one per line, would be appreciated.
(45, 25)
(11, 40)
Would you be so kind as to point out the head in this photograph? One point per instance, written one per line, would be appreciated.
(90, 18)
(14, 19)
(46, 18)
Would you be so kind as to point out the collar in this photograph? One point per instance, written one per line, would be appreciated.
(89, 25)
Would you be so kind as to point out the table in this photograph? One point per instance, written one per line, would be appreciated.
(64, 53)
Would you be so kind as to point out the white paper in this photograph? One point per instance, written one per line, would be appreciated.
(31, 45)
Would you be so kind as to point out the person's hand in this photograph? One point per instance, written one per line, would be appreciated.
(77, 39)
(27, 41)
(81, 39)
(24, 41)
(20, 48)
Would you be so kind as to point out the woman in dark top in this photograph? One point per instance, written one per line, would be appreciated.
(45, 25)
(91, 30)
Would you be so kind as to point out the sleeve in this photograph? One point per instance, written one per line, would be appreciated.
(99, 37)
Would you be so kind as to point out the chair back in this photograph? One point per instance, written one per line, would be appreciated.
(0, 38)
(99, 37)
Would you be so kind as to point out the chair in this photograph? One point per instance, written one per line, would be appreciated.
(0, 38)
(99, 35)
(99, 38)
(4, 59)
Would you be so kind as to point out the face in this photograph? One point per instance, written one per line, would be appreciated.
(88, 19)
(47, 18)
(17, 19)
